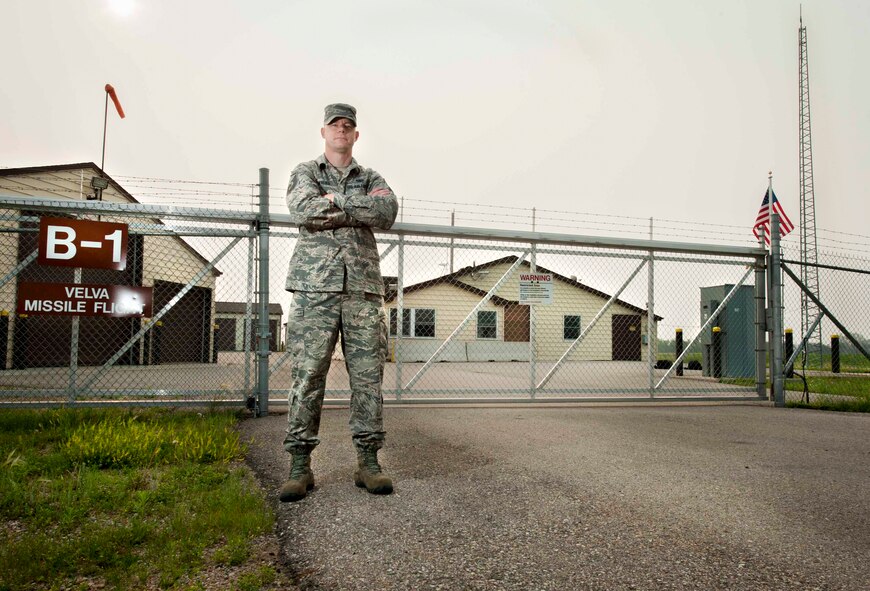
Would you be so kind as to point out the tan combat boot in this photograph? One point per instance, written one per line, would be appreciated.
(300, 481)
(369, 474)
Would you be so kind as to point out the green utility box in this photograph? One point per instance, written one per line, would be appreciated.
(737, 336)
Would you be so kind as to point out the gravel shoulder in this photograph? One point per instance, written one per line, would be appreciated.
(555, 498)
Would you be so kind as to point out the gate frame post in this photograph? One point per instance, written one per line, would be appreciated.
(760, 327)
(776, 313)
(263, 305)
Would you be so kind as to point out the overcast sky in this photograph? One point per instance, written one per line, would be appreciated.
(674, 109)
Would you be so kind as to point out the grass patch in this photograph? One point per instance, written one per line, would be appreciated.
(123, 499)
(842, 393)
(133, 441)
(849, 362)
(842, 405)
(857, 386)
(259, 579)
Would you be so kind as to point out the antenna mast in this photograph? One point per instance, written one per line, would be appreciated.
(809, 244)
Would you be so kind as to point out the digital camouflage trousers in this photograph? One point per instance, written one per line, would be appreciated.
(316, 322)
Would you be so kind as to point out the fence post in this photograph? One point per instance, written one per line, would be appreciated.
(155, 343)
(75, 328)
(835, 353)
(263, 308)
(4, 338)
(400, 315)
(789, 349)
(776, 313)
(533, 320)
(678, 350)
(716, 353)
(214, 342)
(651, 331)
(760, 327)
(248, 328)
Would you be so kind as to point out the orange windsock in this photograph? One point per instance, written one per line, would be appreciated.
(115, 100)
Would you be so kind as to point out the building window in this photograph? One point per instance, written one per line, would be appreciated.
(424, 322)
(487, 324)
(571, 328)
(406, 322)
(418, 322)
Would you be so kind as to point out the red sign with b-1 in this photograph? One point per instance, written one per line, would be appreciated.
(66, 242)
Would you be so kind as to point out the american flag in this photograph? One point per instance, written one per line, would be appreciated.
(762, 222)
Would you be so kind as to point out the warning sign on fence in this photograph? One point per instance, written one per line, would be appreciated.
(536, 288)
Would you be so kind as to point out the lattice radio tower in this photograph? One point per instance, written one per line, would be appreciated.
(809, 244)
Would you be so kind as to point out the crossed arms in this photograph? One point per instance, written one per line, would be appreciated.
(316, 210)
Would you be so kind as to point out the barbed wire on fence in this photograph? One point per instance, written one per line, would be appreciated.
(241, 195)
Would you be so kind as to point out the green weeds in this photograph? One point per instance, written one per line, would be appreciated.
(133, 441)
(123, 500)
(262, 577)
(841, 393)
(849, 363)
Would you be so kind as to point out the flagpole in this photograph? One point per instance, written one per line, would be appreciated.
(770, 202)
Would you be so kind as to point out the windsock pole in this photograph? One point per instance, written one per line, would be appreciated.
(110, 92)
(105, 120)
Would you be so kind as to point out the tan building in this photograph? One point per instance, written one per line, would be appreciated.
(164, 263)
(500, 330)
(230, 325)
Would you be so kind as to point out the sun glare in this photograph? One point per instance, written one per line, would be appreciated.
(123, 8)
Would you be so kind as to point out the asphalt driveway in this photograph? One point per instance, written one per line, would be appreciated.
(556, 498)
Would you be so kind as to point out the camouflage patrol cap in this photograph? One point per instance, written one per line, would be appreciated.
(337, 111)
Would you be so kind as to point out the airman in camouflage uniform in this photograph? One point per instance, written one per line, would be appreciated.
(338, 291)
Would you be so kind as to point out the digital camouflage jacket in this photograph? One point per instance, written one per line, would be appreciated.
(336, 246)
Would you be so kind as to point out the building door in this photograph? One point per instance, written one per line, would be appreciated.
(185, 335)
(226, 334)
(625, 337)
(516, 323)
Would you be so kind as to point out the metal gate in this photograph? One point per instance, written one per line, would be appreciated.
(475, 315)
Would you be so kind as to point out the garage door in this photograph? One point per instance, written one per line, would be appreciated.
(185, 334)
(226, 334)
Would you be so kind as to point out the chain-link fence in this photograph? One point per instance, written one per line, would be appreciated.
(169, 355)
(826, 326)
(473, 314)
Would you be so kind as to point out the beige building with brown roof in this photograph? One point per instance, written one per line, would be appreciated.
(501, 330)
